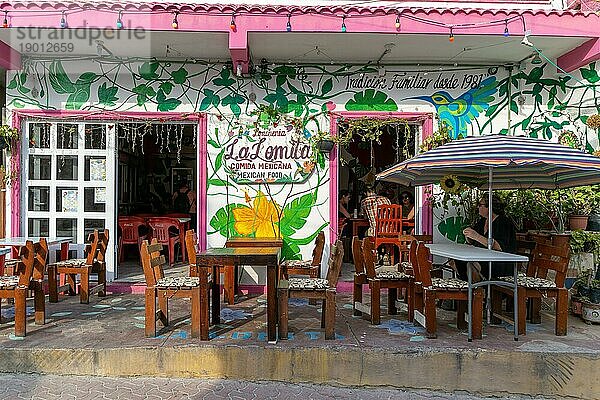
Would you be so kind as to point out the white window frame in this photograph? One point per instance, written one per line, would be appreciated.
(109, 215)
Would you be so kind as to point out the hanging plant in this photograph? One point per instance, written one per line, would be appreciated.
(8, 135)
(7, 178)
(367, 129)
(439, 137)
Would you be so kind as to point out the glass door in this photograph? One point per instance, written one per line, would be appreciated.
(69, 182)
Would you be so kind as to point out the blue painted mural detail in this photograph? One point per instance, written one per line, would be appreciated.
(459, 113)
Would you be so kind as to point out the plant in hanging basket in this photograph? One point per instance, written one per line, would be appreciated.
(8, 135)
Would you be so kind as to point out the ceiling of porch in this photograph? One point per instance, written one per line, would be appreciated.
(319, 48)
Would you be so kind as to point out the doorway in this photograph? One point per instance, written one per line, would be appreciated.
(155, 160)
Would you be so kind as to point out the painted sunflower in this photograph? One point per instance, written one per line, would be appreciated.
(450, 184)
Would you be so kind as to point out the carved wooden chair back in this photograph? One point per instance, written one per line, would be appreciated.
(41, 258)
(551, 258)
(368, 251)
(388, 222)
(423, 264)
(335, 263)
(357, 256)
(412, 258)
(404, 246)
(27, 260)
(191, 246)
(318, 249)
(152, 262)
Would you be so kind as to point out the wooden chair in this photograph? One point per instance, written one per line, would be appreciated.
(390, 279)
(360, 277)
(94, 262)
(312, 267)
(161, 288)
(16, 287)
(388, 225)
(313, 288)
(428, 290)
(130, 233)
(536, 285)
(168, 231)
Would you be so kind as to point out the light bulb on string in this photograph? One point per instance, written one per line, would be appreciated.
(119, 20)
(232, 25)
(451, 37)
(63, 20)
(344, 23)
(506, 32)
(288, 27)
(5, 22)
(397, 24)
(175, 23)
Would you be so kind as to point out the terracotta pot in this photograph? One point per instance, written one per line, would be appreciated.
(590, 312)
(576, 306)
(578, 221)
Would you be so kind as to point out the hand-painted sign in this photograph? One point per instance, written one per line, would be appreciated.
(268, 155)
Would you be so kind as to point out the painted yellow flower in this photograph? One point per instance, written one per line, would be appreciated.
(262, 219)
(450, 184)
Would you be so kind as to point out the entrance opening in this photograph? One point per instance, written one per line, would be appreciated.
(371, 150)
(157, 178)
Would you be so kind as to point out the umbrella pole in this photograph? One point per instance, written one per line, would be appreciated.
(488, 303)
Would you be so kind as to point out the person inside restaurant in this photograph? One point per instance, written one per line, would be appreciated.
(368, 207)
(503, 234)
(184, 202)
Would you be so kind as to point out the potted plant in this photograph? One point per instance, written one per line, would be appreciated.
(323, 141)
(579, 203)
(588, 293)
(8, 135)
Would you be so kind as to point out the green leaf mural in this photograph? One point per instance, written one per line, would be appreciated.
(295, 214)
(290, 251)
(371, 100)
(224, 222)
(148, 70)
(452, 228)
(224, 79)
(59, 80)
(76, 100)
(179, 76)
(107, 95)
(165, 104)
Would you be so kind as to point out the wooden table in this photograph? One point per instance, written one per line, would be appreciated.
(465, 252)
(255, 256)
(230, 286)
(17, 242)
(357, 223)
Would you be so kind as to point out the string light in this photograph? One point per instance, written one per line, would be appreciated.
(344, 23)
(119, 20)
(288, 27)
(451, 37)
(175, 23)
(5, 22)
(232, 23)
(397, 24)
(63, 20)
(506, 32)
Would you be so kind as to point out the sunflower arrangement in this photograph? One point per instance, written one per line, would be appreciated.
(451, 184)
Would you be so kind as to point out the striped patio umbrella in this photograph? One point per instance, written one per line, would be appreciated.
(499, 162)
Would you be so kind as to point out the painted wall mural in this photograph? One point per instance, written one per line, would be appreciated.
(535, 102)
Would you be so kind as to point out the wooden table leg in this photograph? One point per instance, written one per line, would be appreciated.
(216, 289)
(272, 302)
(64, 251)
(2, 257)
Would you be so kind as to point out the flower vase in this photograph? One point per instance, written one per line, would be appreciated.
(578, 222)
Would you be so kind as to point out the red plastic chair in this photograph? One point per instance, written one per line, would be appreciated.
(388, 226)
(168, 231)
(130, 232)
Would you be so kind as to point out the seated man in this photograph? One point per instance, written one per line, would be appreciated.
(368, 207)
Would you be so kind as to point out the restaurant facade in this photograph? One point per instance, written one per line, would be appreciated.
(231, 99)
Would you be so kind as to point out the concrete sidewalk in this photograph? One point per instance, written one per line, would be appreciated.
(106, 338)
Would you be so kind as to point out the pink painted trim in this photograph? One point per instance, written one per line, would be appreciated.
(580, 56)
(202, 192)
(426, 120)
(15, 190)
(10, 59)
(209, 18)
(427, 218)
(333, 184)
(20, 115)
